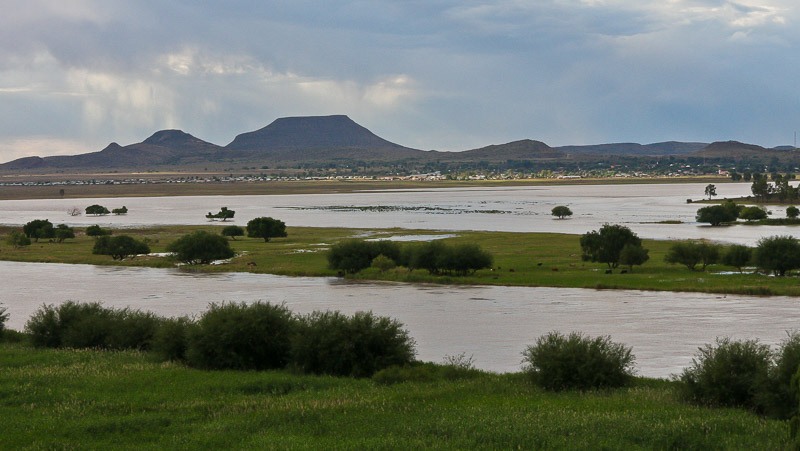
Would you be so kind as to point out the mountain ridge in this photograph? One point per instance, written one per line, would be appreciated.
(337, 138)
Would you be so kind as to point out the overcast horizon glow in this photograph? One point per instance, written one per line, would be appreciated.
(433, 74)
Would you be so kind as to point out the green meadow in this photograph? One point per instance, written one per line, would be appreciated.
(87, 399)
(520, 259)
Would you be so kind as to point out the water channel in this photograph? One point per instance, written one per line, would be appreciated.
(493, 324)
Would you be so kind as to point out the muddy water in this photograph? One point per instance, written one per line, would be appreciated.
(517, 209)
(493, 324)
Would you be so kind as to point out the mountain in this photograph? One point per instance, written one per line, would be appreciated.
(525, 149)
(655, 149)
(163, 148)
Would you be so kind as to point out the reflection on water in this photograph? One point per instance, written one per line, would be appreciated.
(493, 324)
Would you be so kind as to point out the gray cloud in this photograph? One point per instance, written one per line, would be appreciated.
(449, 75)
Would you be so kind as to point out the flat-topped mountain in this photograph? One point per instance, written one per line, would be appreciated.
(337, 139)
(310, 133)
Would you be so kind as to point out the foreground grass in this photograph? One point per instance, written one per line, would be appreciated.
(122, 400)
(520, 259)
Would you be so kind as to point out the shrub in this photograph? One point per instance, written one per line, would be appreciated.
(232, 231)
(383, 263)
(561, 211)
(241, 336)
(558, 362)
(784, 402)
(737, 256)
(266, 228)
(200, 247)
(96, 230)
(90, 325)
(171, 340)
(427, 372)
(97, 210)
(731, 373)
(119, 247)
(778, 254)
(63, 232)
(39, 228)
(17, 240)
(692, 253)
(438, 258)
(752, 213)
(792, 212)
(3, 319)
(351, 256)
(335, 344)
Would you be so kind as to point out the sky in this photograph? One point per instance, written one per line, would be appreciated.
(448, 75)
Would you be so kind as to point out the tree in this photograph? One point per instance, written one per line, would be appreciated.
(778, 254)
(735, 176)
(760, 187)
(97, 210)
(718, 214)
(224, 214)
(96, 230)
(383, 263)
(266, 228)
(605, 245)
(200, 247)
(792, 212)
(39, 228)
(737, 256)
(752, 213)
(120, 211)
(232, 231)
(711, 190)
(63, 232)
(561, 211)
(119, 247)
(632, 254)
(692, 253)
(17, 239)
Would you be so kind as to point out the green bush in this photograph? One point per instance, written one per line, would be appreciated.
(360, 345)
(241, 336)
(575, 361)
(784, 400)
(730, 373)
(171, 340)
(352, 256)
(119, 247)
(90, 325)
(96, 230)
(3, 319)
(200, 247)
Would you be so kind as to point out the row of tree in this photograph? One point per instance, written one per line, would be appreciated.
(776, 254)
(437, 257)
(730, 211)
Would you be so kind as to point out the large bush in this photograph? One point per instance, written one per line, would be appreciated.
(171, 340)
(3, 319)
(119, 247)
(200, 247)
(692, 253)
(605, 245)
(778, 254)
(352, 256)
(241, 336)
(575, 361)
(358, 346)
(730, 373)
(90, 325)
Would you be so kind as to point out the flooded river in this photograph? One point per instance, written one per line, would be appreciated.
(493, 324)
(643, 208)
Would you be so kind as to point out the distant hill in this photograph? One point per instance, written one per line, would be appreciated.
(337, 139)
(740, 151)
(655, 149)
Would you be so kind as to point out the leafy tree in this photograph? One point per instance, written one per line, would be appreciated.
(17, 239)
(711, 190)
(605, 245)
(792, 212)
(737, 256)
(96, 230)
(632, 254)
(718, 214)
(692, 253)
(200, 247)
(119, 247)
(232, 231)
(266, 228)
(120, 211)
(63, 232)
(778, 254)
(223, 214)
(39, 228)
(97, 210)
(760, 188)
(464, 259)
(752, 213)
(383, 263)
(735, 176)
(561, 212)
(351, 256)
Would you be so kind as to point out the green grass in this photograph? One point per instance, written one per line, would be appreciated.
(520, 259)
(67, 399)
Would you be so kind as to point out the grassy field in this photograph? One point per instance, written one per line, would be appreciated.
(69, 399)
(520, 259)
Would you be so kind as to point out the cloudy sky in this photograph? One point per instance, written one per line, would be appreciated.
(430, 74)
